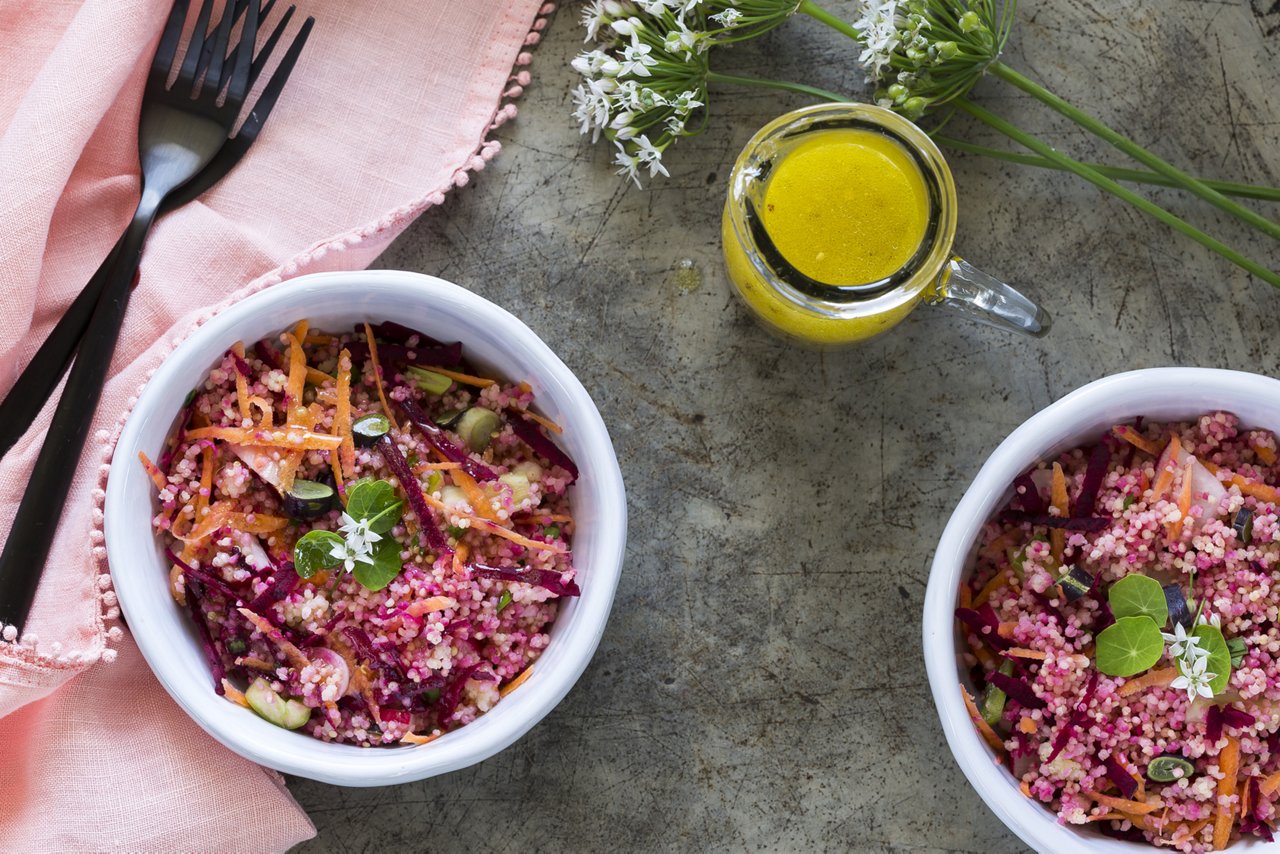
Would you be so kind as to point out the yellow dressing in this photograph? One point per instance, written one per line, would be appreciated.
(846, 207)
(842, 206)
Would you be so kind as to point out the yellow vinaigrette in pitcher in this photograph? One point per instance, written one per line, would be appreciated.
(839, 221)
(846, 206)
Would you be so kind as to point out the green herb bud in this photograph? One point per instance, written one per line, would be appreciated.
(947, 50)
(913, 108)
(969, 22)
(916, 55)
(898, 93)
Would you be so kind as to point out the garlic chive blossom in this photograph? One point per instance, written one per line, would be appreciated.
(357, 546)
(646, 77)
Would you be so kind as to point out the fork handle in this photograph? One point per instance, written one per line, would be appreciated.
(38, 380)
(23, 558)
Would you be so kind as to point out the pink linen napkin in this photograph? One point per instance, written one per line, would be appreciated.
(390, 106)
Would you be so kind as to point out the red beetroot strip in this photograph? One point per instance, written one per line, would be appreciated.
(282, 584)
(206, 639)
(531, 434)
(445, 446)
(389, 330)
(1076, 718)
(1099, 460)
(545, 578)
(1017, 690)
(242, 367)
(1029, 498)
(1254, 823)
(445, 356)
(1090, 524)
(268, 354)
(413, 491)
(1123, 779)
(984, 618)
(204, 578)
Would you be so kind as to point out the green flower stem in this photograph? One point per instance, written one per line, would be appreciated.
(737, 80)
(1136, 176)
(1137, 152)
(1098, 179)
(815, 11)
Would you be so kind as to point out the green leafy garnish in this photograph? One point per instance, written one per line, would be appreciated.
(455, 531)
(1238, 648)
(1219, 663)
(1166, 769)
(314, 552)
(504, 600)
(1129, 645)
(551, 532)
(1128, 501)
(385, 567)
(1136, 596)
(375, 502)
(434, 482)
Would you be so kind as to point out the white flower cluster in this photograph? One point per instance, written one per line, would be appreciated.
(644, 80)
(1192, 660)
(357, 546)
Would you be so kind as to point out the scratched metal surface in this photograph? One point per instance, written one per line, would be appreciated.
(760, 685)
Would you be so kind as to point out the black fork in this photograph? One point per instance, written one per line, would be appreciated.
(37, 382)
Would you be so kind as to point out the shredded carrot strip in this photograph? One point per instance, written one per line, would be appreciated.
(507, 534)
(264, 406)
(220, 516)
(300, 331)
(297, 377)
(337, 476)
(1026, 725)
(544, 421)
(316, 338)
(1184, 502)
(157, 476)
(242, 384)
(1020, 652)
(1151, 679)
(465, 379)
(1253, 488)
(1229, 765)
(1060, 501)
(256, 664)
(984, 656)
(318, 377)
(421, 467)
(966, 595)
(1270, 784)
(1266, 454)
(515, 683)
(460, 560)
(377, 376)
(342, 413)
(294, 438)
(475, 495)
(1123, 805)
(988, 734)
(1109, 816)
(1133, 437)
(998, 580)
(1005, 630)
(525, 387)
(542, 518)
(1025, 788)
(411, 738)
(1164, 477)
(233, 693)
(291, 652)
(289, 469)
(178, 593)
(997, 546)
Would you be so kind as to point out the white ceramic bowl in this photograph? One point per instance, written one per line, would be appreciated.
(1159, 394)
(495, 340)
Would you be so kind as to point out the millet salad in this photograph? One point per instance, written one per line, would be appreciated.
(371, 540)
(1122, 622)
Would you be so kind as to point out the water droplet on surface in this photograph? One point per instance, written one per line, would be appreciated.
(686, 275)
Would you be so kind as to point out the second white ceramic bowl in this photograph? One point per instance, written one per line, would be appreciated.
(1159, 394)
(496, 341)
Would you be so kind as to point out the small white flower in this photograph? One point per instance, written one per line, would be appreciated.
(1193, 679)
(357, 544)
(650, 155)
(593, 16)
(685, 103)
(589, 63)
(1213, 620)
(627, 26)
(591, 108)
(1183, 645)
(636, 59)
(628, 165)
(727, 18)
(684, 40)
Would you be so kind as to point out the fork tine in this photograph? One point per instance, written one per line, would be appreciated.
(235, 9)
(260, 58)
(213, 78)
(267, 100)
(239, 86)
(187, 76)
(260, 61)
(169, 39)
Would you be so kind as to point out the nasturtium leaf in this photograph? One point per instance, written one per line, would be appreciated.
(1128, 646)
(1138, 595)
(312, 552)
(376, 502)
(385, 567)
(1219, 663)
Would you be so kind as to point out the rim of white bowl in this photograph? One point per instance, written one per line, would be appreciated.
(577, 633)
(1195, 390)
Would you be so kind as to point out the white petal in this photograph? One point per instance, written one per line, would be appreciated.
(1180, 683)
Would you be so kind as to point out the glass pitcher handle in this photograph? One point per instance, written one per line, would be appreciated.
(965, 288)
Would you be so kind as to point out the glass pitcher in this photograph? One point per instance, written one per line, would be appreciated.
(818, 313)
